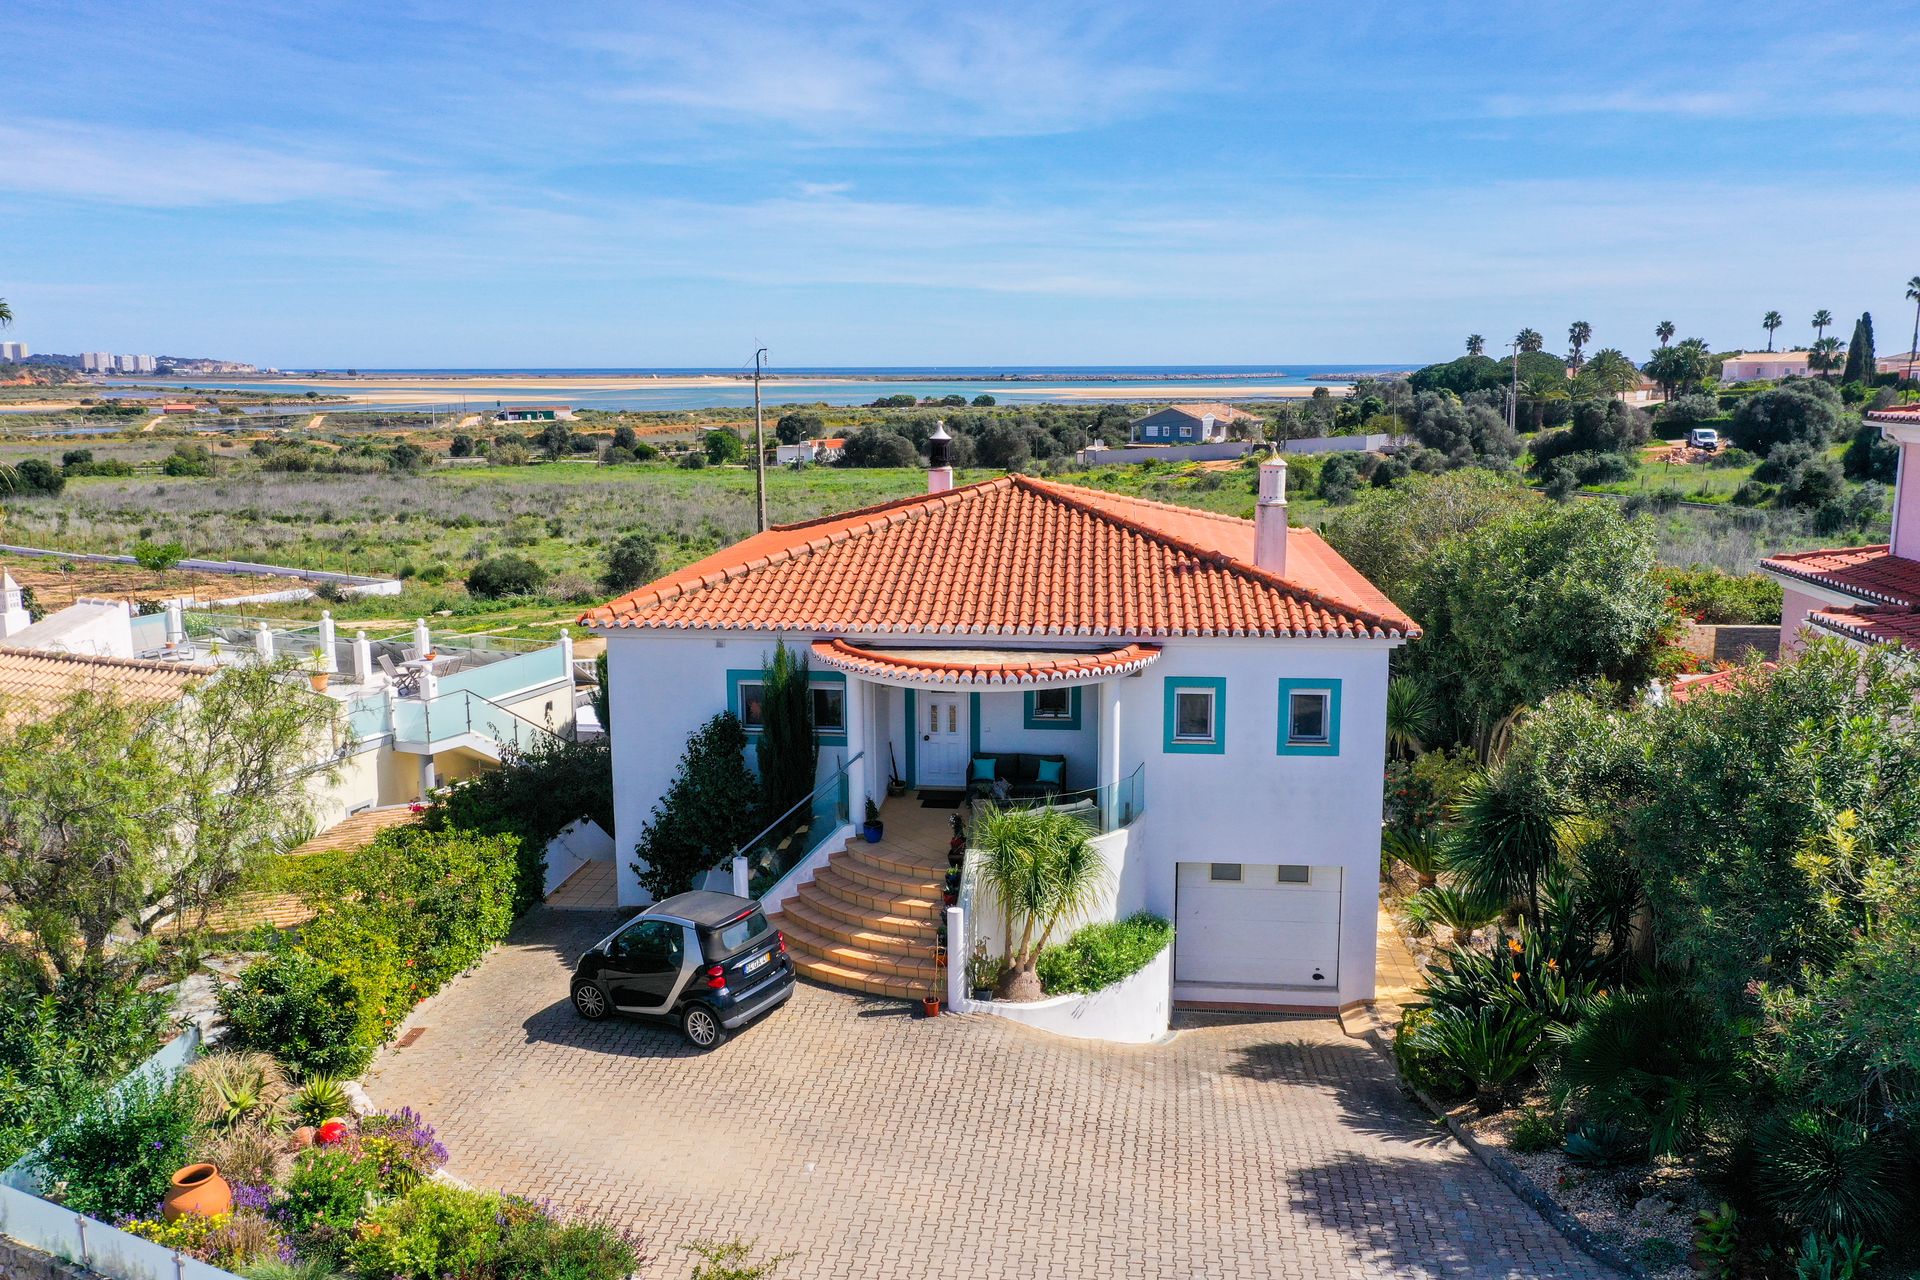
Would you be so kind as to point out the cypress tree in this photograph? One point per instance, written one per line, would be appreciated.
(1860, 362)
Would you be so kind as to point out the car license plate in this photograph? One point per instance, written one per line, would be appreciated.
(757, 963)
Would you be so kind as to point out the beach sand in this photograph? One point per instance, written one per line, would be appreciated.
(533, 390)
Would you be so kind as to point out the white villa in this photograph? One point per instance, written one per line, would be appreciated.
(421, 710)
(1209, 691)
(1865, 595)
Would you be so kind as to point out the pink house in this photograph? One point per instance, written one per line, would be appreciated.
(1866, 595)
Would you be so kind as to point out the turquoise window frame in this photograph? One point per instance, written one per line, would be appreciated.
(1176, 685)
(1286, 746)
(1071, 722)
(737, 676)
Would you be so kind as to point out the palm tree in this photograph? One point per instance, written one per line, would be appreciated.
(1579, 334)
(1664, 331)
(1825, 356)
(1822, 320)
(1476, 345)
(1913, 294)
(1510, 834)
(6, 314)
(1529, 340)
(1770, 322)
(1042, 866)
(1413, 714)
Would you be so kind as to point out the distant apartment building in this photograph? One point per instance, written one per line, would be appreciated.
(1770, 365)
(198, 366)
(13, 352)
(96, 361)
(133, 364)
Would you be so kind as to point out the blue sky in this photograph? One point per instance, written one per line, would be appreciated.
(480, 184)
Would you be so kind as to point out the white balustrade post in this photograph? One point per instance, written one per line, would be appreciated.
(176, 626)
(328, 663)
(422, 638)
(263, 643)
(739, 876)
(958, 997)
(362, 659)
(566, 652)
(391, 698)
(429, 684)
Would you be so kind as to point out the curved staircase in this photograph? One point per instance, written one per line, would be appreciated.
(869, 920)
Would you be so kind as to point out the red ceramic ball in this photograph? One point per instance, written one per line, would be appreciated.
(331, 1132)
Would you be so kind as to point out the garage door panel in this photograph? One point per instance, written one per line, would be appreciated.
(1256, 931)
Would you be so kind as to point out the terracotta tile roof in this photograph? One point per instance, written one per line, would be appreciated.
(357, 830)
(34, 680)
(1886, 625)
(1016, 556)
(1688, 687)
(984, 666)
(1870, 573)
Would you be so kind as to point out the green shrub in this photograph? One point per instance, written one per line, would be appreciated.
(1708, 595)
(1099, 955)
(632, 560)
(732, 1260)
(505, 576)
(1491, 1048)
(435, 1230)
(115, 1157)
(1421, 1064)
(54, 1053)
(534, 1246)
(1639, 1059)
(534, 795)
(328, 1190)
(709, 810)
(1535, 1130)
(1828, 1175)
(302, 1011)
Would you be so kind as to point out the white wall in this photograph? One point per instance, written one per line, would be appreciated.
(1003, 715)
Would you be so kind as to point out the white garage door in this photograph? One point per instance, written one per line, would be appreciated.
(1253, 924)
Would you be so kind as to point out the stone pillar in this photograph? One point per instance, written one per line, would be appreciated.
(391, 698)
(263, 643)
(176, 625)
(362, 659)
(858, 776)
(429, 685)
(428, 780)
(422, 638)
(327, 662)
(958, 997)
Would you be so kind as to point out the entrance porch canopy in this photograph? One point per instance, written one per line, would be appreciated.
(956, 667)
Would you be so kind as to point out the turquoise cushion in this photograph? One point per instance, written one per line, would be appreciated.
(1047, 772)
(983, 767)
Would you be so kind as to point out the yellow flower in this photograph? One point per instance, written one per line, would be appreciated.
(1513, 945)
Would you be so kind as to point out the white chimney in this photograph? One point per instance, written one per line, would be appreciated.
(939, 459)
(14, 617)
(1270, 518)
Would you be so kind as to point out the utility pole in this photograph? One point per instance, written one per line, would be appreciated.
(1513, 400)
(759, 443)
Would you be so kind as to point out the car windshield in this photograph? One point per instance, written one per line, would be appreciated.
(732, 937)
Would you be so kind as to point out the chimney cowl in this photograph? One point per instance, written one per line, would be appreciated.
(1270, 518)
(939, 459)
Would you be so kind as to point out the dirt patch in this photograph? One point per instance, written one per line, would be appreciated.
(58, 583)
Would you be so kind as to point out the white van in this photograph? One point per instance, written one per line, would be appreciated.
(1703, 438)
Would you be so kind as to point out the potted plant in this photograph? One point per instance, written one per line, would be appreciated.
(317, 674)
(872, 829)
(951, 890)
(957, 846)
(983, 971)
(930, 1005)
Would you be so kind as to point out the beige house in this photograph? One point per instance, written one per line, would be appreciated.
(1771, 365)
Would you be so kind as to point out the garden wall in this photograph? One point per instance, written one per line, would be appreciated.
(352, 584)
(1135, 1010)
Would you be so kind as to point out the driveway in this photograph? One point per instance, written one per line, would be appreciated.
(872, 1143)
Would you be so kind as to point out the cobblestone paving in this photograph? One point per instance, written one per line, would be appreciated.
(876, 1144)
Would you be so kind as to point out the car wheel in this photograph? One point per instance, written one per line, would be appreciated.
(590, 1002)
(701, 1026)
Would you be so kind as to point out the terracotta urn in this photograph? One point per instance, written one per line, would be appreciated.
(301, 1138)
(199, 1190)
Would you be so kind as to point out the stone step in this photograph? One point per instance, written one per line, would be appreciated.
(919, 883)
(873, 964)
(846, 979)
(891, 858)
(828, 905)
(918, 940)
(926, 905)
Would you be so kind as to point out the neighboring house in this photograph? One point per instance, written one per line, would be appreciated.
(1188, 424)
(1214, 690)
(1866, 595)
(34, 683)
(1772, 365)
(1898, 363)
(428, 723)
(535, 413)
(823, 450)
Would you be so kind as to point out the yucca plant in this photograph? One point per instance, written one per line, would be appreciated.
(1418, 849)
(1413, 716)
(1508, 836)
(1042, 866)
(320, 1099)
(1828, 1175)
(1460, 910)
(238, 1088)
(1492, 1047)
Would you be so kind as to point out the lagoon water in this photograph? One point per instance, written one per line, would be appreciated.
(585, 388)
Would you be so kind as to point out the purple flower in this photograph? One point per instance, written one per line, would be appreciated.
(159, 1144)
(249, 1195)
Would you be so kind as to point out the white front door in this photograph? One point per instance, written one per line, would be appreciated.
(943, 740)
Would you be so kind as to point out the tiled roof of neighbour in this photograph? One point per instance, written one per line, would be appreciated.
(1016, 556)
(1890, 625)
(984, 666)
(1688, 687)
(33, 679)
(1896, 413)
(1871, 573)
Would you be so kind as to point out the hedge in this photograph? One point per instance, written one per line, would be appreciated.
(1100, 955)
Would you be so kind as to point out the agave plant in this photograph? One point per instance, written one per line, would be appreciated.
(1491, 1047)
(318, 1100)
(1838, 1258)
(1418, 849)
(1460, 910)
(238, 1088)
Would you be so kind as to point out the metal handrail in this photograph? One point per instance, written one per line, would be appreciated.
(773, 826)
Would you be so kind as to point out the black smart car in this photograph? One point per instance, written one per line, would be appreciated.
(709, 961)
